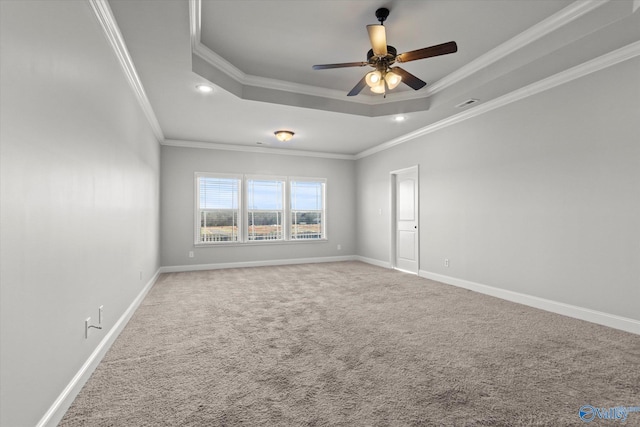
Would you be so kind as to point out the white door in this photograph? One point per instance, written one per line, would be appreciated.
(406, 189)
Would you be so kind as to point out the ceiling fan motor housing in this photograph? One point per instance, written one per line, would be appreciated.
(375, 61)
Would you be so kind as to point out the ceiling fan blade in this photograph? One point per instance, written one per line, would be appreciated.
(343, 65)
(409, 79)
(378, 38)
(357, 88)
(428, 52)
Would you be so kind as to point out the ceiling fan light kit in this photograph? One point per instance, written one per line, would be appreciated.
(379, 88)
(382, 56)
(284, 135)
(376, 80)
(392, 80)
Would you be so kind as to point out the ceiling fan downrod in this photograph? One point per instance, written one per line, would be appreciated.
(382, 14)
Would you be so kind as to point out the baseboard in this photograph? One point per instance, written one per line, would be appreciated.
(383, 264)
(57, 410)
(266, 263)
(601, 318)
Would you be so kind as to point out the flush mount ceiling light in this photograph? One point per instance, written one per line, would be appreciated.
(204, 88)
(283, 135)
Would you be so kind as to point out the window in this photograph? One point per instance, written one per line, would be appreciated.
(307, 209)
(218, 208)
(243, 209)
(265, 203)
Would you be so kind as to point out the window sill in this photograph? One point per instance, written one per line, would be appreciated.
(258, 243)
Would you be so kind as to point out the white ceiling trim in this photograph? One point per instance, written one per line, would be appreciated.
(249, 149)
(607, 60)
(104, 15)
(541, 29)
(198, 48)
(557, 20)
(249, 80)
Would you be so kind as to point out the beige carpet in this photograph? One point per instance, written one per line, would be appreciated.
(349, 344)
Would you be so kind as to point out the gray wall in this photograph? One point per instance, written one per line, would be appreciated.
(540, 197)
(79, 215)
(177, 183)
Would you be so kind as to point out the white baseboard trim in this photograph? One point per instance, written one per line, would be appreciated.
(601, 318)
(266, 263)
(383, 264)
(57, 410)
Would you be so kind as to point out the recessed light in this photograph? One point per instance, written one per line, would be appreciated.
(204, 88)
(399, 118)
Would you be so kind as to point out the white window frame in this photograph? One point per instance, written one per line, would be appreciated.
(243, 210)
(240, 233)
(249, 210)
(323, 211)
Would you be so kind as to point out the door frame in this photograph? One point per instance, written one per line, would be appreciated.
(392, 210)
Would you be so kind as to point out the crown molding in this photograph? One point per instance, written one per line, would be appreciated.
(578, 8)
(552, 23)
(250, 80)
(249, 149)
(200, 49)
(612, 58)
(541, 29)
(104, 15)
(607, 60)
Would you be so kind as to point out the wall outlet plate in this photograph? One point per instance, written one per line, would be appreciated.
(100, 314)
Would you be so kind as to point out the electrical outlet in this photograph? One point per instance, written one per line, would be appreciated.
(191, 254)
(446, 262)
(100, 314)
(141, 275)
(339, 247)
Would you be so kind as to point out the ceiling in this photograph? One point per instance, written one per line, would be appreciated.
(257, 55)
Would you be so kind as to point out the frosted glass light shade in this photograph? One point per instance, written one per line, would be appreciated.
(373, 78)
(392, 79)
(284, 135)
(379, 88)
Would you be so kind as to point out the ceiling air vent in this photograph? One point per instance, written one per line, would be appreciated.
(467, 103)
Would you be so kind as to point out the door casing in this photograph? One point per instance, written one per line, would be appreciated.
(393, 216)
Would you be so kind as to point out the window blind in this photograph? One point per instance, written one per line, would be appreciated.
(218, 193)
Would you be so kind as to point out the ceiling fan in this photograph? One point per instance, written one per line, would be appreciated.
(382, 56)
